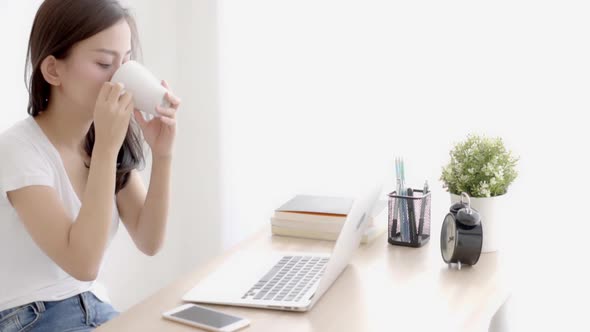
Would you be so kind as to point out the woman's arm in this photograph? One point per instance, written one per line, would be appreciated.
(77, 247)
(144, 214)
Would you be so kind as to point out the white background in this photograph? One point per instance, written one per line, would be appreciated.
(320, 95)
(285, 97)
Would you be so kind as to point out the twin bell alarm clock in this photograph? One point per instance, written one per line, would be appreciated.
(461, 236)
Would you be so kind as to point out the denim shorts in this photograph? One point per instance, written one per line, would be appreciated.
(83, 312)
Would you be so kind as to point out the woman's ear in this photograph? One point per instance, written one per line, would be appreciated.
(49, 70)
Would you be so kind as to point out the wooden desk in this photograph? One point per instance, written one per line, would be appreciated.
(384, 288)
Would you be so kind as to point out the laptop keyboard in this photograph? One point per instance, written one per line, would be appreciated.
(289, 279)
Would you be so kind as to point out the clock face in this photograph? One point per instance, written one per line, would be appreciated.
(448, 238)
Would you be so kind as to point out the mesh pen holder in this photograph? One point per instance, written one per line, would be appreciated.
(409, 219)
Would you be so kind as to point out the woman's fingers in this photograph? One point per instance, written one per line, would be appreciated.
(168, 121)
(172, 99)
(168, 112)
(104, 92)
(115, 93)
(127, 100)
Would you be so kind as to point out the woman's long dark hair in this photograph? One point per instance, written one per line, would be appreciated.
(59, 25)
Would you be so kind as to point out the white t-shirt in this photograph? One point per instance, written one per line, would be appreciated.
(27, 274)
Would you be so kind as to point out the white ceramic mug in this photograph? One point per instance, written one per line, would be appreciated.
(145, 87)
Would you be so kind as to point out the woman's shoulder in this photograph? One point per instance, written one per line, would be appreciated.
(20, 138)
(25, 161)
(18, 130)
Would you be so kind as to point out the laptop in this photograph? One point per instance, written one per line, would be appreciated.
(292, 281)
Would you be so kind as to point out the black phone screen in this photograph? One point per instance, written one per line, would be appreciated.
(206, 316)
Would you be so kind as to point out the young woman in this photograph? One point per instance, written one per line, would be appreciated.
(69, 170)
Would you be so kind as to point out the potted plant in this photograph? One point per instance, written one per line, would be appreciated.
(483, 168)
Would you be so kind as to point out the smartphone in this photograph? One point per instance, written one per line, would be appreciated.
(206, 318)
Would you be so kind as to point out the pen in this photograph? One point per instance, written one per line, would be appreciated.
(395, 217)
(403, 216)
(423, 208)
(398, 210)
(411, 217)
(405, 204)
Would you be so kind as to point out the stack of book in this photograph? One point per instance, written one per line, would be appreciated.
(322, 217)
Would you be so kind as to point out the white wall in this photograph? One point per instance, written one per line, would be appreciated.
(15, 25)
(318, 96)
(179, 44)
(124, 264)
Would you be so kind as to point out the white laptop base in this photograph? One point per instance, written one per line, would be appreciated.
(267, 285)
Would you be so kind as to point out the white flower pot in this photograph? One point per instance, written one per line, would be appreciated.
(492, 211)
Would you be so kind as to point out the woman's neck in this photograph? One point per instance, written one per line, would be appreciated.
(65, 126)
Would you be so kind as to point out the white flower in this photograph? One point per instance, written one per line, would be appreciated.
(483, 189)
(487, 169)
